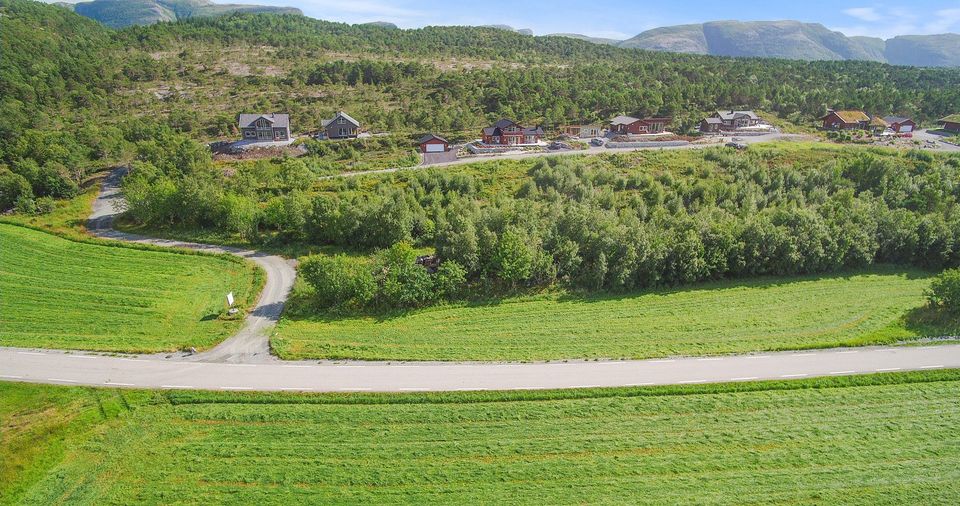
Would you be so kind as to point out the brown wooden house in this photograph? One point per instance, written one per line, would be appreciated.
(950, 123)
(846, 120)
(638, 126)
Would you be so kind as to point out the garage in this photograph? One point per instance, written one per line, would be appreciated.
(432, 143)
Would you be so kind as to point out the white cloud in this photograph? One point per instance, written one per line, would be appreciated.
(945, 20)
(863, 13)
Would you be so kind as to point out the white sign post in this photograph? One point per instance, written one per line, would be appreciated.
(231, 310)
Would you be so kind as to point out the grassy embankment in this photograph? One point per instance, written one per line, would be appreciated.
(868, 307)
(881, 439)
(103, 296)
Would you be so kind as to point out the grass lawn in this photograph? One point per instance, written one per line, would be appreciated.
(868, 307)
(59, 293)
(882, 439)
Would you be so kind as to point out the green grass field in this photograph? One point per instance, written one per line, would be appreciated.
(727, 317)
(59, 293)
(883, 439)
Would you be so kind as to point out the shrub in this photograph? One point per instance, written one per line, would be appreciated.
(944, 291)
(339, 281)
(25, 205)
(403, 283)
(12, 187)
(449, 279)
(45, 205)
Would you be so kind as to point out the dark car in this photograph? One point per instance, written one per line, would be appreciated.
(597, 142)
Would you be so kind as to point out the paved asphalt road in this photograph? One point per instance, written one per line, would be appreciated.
(82, 369)
(243, 362)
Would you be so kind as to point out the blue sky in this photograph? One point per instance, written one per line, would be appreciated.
(625, 18)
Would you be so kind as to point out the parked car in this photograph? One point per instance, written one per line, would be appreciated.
(559, 145)
(736, 145)
(597, 142)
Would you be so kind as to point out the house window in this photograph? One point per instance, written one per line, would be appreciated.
(343, 132)
(496, 139)
(341, 121)
(529, 139)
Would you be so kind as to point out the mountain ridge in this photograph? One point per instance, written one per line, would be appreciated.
(124, 13)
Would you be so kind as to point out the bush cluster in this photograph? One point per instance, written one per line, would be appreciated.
(392, 280)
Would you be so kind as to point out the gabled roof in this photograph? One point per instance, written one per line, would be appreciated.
(878, 122)
(713, 120)
(339, 114)
(624, 120)
(953, 118)
(430, 137)
(850, 116)
(896, 119)
(732, 115)
(278, 120)
(504, 123)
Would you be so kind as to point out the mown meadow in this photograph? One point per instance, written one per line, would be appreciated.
(60, 293)
(881, 439)
(865, 307)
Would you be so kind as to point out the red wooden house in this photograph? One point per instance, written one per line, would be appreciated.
(509, 133)
(900, 124)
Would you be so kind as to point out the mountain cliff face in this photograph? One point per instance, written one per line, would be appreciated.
(121, 13)
(798, 41)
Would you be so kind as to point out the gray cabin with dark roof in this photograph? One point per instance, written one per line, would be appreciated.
(341, 126)
(265, 127)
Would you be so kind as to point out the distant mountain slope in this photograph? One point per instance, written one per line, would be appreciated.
(927, 50)
(595, 40)
(798, 41)
(121, 13)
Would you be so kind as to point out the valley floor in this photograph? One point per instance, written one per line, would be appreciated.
(881, 439)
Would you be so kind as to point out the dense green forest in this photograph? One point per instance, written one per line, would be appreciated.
(616, 222)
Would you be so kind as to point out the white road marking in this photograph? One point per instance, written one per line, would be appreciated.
(843, 372)
(113, 383)
(802, 354)
(236, 388)
(80, 356)
(62, 380)
(792, 375)
(692, 381)
(661, 361)
(745, 378)
(588, 386)
(413, 389)
(709, 359)
(931, 367)
(356, 389)
(847, 352)
(241, 365)
(888, 369)
(7, 376)
(641, 384)
(297, 366)
(30, 353)
(176, 386)
(758, 356)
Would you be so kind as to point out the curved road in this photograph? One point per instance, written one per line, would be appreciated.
(243, 362)
(252, 343)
